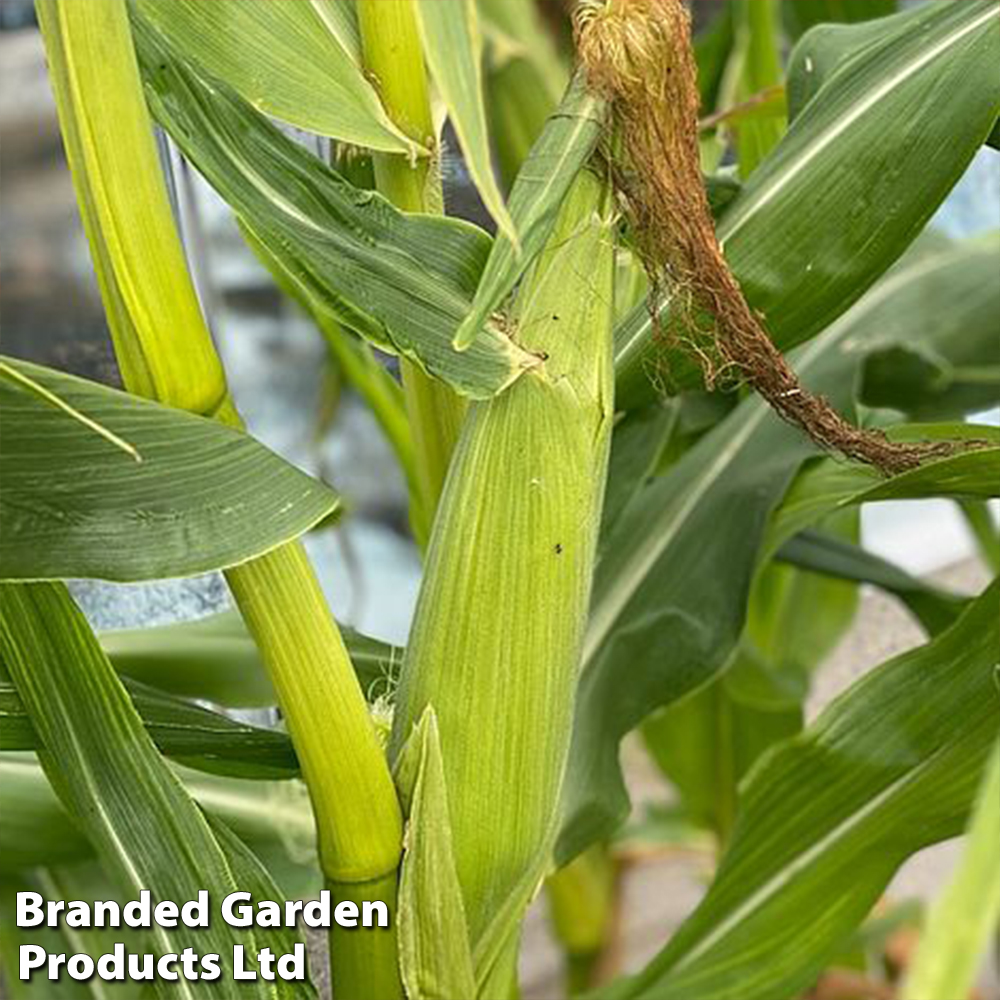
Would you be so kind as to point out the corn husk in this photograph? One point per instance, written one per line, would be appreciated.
(496, 641)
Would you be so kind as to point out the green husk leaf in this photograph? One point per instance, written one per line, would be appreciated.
(74, 505)
(565, 145)
(547, 438)
(435, 958)
(296, 61)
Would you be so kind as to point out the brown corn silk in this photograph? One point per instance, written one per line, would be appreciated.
(638, 54)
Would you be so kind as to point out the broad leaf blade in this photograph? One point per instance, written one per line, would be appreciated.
(404, 282)
(204, 496)
(935, 609)
(801, 15)
(883, 772)
(296, 61)
(193, 736)
(150, 834)
(453, 50)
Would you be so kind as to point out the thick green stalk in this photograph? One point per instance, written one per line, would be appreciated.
(394, 57)
(368, 967)
(165, 351)
(496, 640)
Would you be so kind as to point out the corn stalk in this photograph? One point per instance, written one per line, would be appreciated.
(394, 57)
(165, 352)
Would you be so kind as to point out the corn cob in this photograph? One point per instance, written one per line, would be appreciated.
(496, 639)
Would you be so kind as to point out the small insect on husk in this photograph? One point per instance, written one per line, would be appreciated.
(638, 55)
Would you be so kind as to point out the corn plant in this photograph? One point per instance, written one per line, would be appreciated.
(637, 425)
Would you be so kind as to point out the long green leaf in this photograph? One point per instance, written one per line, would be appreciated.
(925, 369)
(935, 609)
(565, 145)
(111, 779)
(883, 772)
(671, 587)
(296, 61)
(453, 50)
(55, 940)
(869, 139)
(829, 486)
(194, 736)
(960, 924)
(402, 281)
(74, 505)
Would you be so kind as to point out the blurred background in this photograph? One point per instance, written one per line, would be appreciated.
(293, 397)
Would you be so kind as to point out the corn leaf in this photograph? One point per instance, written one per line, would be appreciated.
(295, 61)
(108, 774)
(74, 505)
(24, 381)
(404, 282)
(434, 954)
(565, 145)
(672, 583)
(707, 742)
(453, 50)
(883, 772)
(829, 486)
(215, 659)
(961, 922)
(928, 373)
(935, 609)
(193, 736)
(869, 138)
